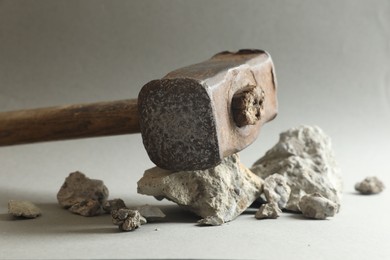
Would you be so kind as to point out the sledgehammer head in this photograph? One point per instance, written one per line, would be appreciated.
(195, 116)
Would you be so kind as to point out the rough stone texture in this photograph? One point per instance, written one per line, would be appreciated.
(268, 210)
(126, 219)
(110, 205)
(211, 221)
(370, 185)
(151, 213)
(222, 192)
(143, 220)
(77, 187)
(276, 190)
(165, 134)
(87, 208)
(304, 156)
(22, 208)
(316, 206)
(78, 192)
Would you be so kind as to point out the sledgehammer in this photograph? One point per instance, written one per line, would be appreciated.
(189, 120)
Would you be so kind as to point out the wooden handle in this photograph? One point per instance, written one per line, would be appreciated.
(69, 122)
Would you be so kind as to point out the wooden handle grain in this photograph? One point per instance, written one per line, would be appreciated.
(69, 122)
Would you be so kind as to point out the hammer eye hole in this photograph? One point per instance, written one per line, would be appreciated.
(247, 106)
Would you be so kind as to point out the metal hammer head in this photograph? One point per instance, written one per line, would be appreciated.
(196, 115)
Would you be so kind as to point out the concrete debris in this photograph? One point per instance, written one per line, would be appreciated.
(87, 208)
(276, 190)
(110, 205)
(126, 219)
(305, 158)
(23, 208)
(219, 193)
(151, 213)
(143, 220)
(82, 194)
(370, 185)
(211, 221)
(268, 210)
(317, 206)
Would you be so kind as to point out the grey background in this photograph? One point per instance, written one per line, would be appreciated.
(333, 70)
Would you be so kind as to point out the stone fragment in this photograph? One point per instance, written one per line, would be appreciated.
(304, 156)
(83, 193)
(211, 221)
(110, 205)
(87, 208)
(268, 210)
(222, 192)
(317, 206)
(151, 213)
(23, 208)
(276, 190)
(126, 219)
(143, 220)
(370, 185)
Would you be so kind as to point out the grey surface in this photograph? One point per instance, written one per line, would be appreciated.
(333, 68)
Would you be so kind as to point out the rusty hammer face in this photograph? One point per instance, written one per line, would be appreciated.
(189, 120)
(196, 115)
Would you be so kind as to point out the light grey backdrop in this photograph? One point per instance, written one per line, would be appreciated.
(333, 69)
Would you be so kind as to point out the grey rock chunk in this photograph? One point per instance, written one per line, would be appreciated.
(126, 219)
(268, 210)
(316, 206)
(276, 190)
(222, 192)
(23, 208)
(87, 208)
(151, 213)
(110, 205)
(82, 194)
(304, 156)
(370, 185)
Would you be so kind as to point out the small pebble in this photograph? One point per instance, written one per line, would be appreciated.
(78, 188)
(370, 185)
(317, 206)
(87, 208)
(269, 210)
(22, 208)
(126, 219)
(211, 221)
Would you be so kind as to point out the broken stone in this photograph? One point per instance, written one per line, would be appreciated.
(87, 208)
(143, 220)
(211, 221)
(110, 205)
(23, 208)
(151, 213)
(83, 193)
(370, 185)
(276, 190)
(222, 192)
(304, 156)
(268, 210)
(317, 206)
(126, 219)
